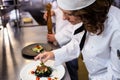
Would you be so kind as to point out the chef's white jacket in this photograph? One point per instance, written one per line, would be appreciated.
(58, 19)
(65, 35)
(99, 52)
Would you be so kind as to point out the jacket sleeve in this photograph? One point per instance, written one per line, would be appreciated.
(68, 52)
(64, 36)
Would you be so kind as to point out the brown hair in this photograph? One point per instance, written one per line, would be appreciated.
(94, 15)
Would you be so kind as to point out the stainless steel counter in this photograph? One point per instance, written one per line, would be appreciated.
(12, 41)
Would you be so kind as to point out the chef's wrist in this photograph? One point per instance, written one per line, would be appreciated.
(52, 56)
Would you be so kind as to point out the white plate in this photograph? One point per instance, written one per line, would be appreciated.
(25, 73)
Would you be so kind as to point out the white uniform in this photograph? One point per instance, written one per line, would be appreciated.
(65, 35)
(59, 22)
(99, 52)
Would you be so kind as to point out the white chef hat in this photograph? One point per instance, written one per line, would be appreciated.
(74, 4)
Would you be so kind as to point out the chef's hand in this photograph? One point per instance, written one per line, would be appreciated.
(44, 56)
(45, 14)
(51, 37)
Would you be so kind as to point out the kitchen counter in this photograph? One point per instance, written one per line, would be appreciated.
(12, 41)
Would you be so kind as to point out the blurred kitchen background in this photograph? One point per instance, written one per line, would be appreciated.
(12, 9)
(36, 8)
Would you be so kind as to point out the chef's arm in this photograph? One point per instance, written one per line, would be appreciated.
(45, 14)
(66, 53)
(64, 36)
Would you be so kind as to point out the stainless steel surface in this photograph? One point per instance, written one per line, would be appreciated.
(12, 41)
(11, 59)
(27, 15)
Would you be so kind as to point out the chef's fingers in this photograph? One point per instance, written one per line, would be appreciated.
(38, 57)
(52, 13)
(47, 56)
(45, 15)
(44, 56)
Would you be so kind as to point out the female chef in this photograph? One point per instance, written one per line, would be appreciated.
(101, 33)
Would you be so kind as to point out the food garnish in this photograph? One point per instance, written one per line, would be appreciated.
(32, 72)
(42, 70)
(55, 78)
(49, 78)
(37, 78)
(38, 48)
